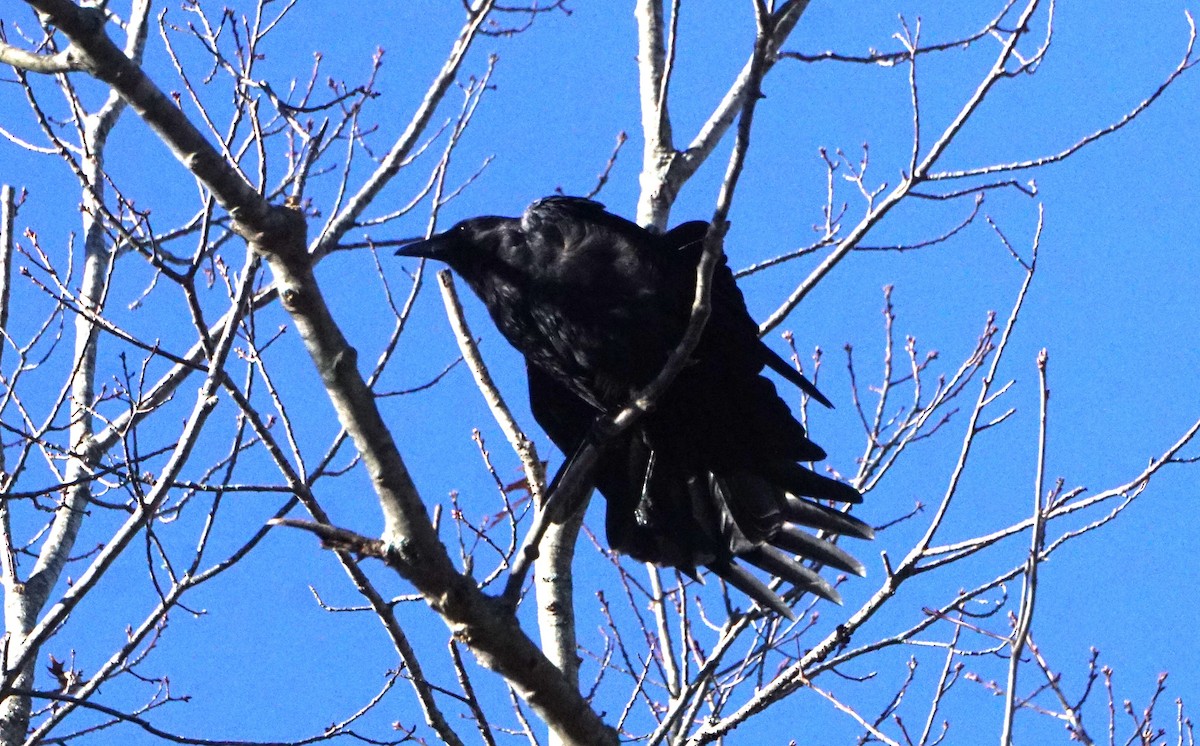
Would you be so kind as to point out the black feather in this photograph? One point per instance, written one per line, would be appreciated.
(775, 562)
(806, 545)
(739, 578)
(826, 519)
(596, 304)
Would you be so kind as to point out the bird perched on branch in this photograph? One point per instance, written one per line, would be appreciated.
(711, 475)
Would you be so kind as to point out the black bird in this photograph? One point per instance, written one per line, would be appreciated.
(596, 304)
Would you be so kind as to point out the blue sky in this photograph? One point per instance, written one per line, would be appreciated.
(1113, 303)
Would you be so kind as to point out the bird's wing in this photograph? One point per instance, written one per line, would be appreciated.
(620, 473)
(564, 416)
(730, 317)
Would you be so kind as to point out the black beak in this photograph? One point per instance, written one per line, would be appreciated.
(434, 247)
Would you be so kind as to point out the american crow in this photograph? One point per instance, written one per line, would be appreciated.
(596, 304)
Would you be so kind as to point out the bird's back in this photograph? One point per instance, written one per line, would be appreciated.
(595, 315)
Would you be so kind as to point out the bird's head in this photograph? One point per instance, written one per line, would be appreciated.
(468, 245)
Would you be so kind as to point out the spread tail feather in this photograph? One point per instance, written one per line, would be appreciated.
(806, 545)
(739, 578)
(690, 519)
(770, 560)
(800, 481)
(825, 518)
